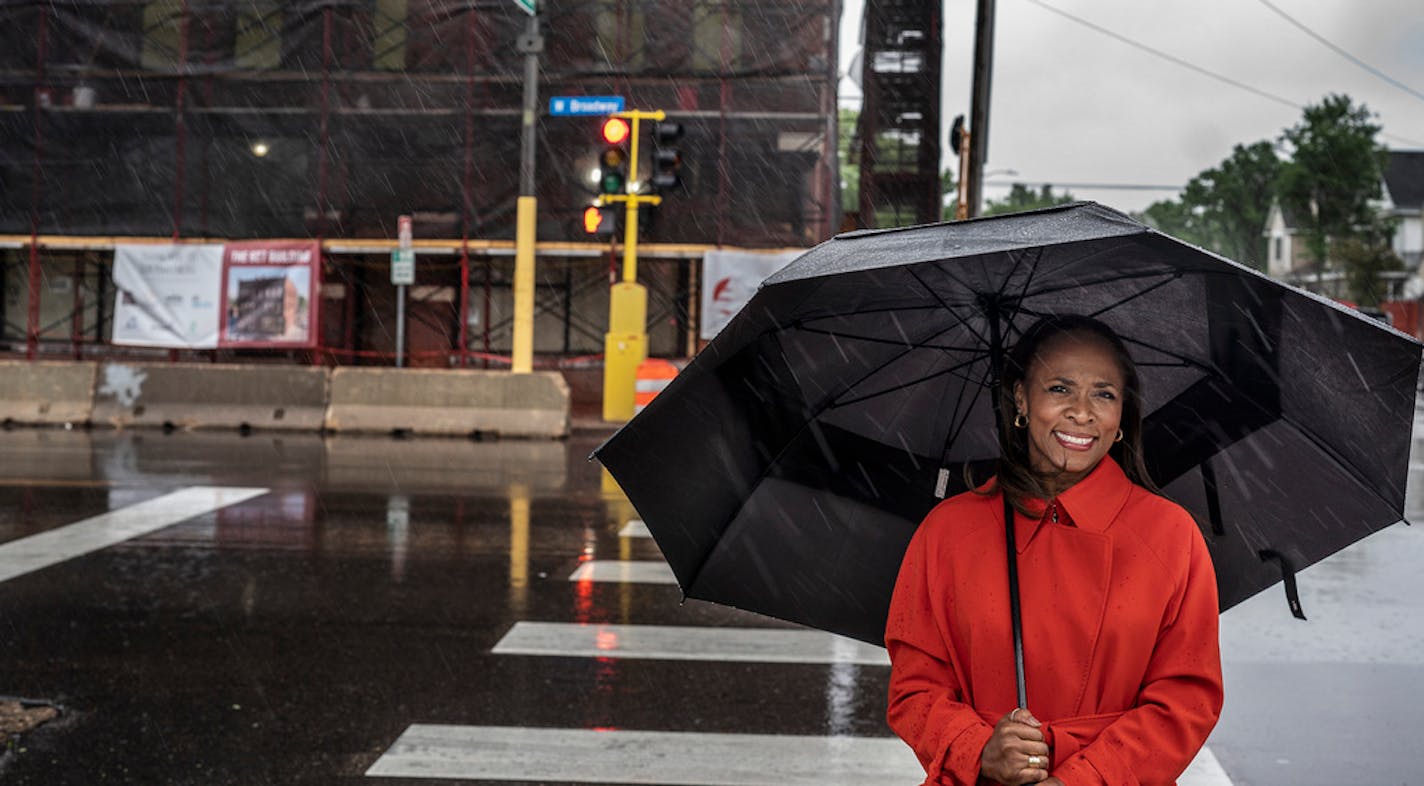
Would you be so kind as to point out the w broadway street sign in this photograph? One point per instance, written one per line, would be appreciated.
(585, 105)
(526, 5)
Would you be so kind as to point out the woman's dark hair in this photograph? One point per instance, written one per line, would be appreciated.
(1016, 476)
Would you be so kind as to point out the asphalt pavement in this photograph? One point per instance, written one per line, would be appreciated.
(209, 608)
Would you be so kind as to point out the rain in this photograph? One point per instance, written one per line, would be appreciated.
(330, 447)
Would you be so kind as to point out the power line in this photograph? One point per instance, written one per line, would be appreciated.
(1341, 51)
(1194, 67)
(1171, 58)
(1085, 186)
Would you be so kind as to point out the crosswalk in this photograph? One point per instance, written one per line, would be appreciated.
(499, 753)
(38, 551)
(678, 642)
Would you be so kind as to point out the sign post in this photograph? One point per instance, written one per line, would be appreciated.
(402, 275)
(530, 44)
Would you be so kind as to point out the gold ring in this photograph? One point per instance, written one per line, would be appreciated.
(1035, 762)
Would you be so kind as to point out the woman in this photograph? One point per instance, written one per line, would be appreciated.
(1117, 590)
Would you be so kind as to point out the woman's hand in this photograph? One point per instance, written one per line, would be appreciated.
(1016, 753)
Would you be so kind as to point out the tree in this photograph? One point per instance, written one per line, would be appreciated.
(1177, 219)
(1335, 171)
(1224, 208)
(949, 200)
(1364, 256)
(1233, 199)
(1021, 198)
(848, 152)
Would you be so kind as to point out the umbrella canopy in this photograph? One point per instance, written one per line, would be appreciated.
(786, 468)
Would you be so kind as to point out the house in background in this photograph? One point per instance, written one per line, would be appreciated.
(1288, 260)
(1404, 201)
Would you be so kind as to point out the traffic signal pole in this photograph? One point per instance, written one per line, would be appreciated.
(526, 217)
(625, 345)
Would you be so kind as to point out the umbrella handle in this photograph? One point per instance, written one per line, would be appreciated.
(1014, 615)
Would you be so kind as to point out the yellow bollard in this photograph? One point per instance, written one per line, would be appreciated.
(625, 345)
(622, 352)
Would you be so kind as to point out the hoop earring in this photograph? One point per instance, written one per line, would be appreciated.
(1119, 436)
(1020, 421)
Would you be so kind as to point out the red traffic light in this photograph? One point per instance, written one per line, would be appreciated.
(615, 130)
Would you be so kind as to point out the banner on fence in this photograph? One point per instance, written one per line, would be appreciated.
(729, 279)
(267, 291)
(167, 295)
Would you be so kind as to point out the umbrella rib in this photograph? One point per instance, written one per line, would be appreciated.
(957, 428)
(1123, 277)
(888, 341)
(1018, 306)
(903, 385)
(1138, 294)
(1182, 360)
(869, 311)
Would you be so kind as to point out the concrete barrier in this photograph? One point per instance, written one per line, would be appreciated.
(452, 402)
(196, 395)
(46, 392)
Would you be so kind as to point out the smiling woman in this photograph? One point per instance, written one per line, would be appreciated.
(1074, 395)
(1119, 588)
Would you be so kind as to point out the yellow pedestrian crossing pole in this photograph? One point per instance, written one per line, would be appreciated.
(625, 345)
(526, 217)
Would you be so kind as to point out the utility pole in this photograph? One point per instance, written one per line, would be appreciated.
(530, 44)
(979, 109)
(625, 345)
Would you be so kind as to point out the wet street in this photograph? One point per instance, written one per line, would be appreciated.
(214, 609)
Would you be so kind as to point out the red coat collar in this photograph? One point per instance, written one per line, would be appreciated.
(1091, 504)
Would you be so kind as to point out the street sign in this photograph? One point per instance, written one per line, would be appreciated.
(571, 106)
(404, 236)
(403, 267)
(527, 6)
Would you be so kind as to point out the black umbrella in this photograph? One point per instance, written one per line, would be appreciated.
(787, 466)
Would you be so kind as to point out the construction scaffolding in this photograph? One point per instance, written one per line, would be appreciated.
(252, 119)
(899, 127)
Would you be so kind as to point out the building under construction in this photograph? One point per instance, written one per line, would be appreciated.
(183, 120)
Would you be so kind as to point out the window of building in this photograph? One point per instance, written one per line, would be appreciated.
(619, 28)
(716, 35)
(258, 42)
(389, 36)
(162, 34)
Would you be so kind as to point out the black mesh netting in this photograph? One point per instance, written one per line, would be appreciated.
(147, 118)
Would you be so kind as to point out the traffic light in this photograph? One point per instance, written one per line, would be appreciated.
(613, 161)
(599, 221)
(667, 160)
(956, 134)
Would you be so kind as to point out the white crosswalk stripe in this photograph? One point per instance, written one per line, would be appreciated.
(675, 642)
(624, 572)
(693, 759)
(635, 528)
(43, 549)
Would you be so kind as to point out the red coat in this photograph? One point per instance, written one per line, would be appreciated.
(1119, 625)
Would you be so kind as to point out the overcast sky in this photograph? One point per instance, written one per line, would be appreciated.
(1072, 105)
